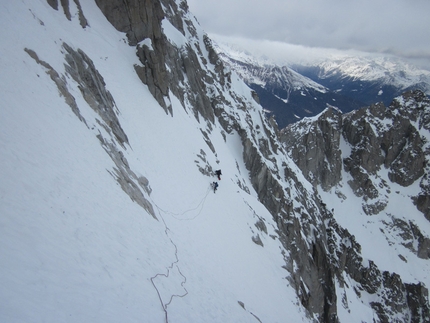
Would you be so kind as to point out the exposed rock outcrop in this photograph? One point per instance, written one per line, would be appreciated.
(375, 138)
(65, 4)
(92, 86)
(314, 147)
(141, 20)
(138, 19)
(166, 66)
(378, 137)
(81, 68)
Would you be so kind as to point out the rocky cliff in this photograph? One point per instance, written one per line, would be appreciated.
(393, 138)
(372, 150)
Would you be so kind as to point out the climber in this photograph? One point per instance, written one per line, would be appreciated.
(215, 186)
(218, 173)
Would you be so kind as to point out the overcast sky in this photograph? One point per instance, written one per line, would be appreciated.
(400, 27)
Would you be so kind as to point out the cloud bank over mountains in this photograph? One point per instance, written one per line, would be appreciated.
(399, 28)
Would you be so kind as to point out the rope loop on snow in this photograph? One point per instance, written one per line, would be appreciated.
(178, 216)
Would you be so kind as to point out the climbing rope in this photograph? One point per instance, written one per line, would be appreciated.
(175, 263)
(169, 268)
(179, 216)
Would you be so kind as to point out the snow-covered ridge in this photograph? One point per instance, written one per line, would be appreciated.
(386, 70)
(263, 71)
(287, 94)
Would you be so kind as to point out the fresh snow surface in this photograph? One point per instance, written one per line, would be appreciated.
(73, 245)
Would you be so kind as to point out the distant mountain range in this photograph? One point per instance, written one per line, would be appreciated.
(366, 79)
(296, 91)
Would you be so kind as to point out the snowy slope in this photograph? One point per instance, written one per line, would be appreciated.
(74, 246)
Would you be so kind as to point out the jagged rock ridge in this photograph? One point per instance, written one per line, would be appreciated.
(356, 149)
(393, 138)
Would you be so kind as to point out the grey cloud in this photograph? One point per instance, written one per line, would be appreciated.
(395, 26)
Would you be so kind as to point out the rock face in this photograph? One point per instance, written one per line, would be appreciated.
(314, 147)
(360, 145)
(93, 89)
(65, 4)
(320, 256)
(92, 86)
(388, 137)
(392, 138)
(142, 22)
(138, 19)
